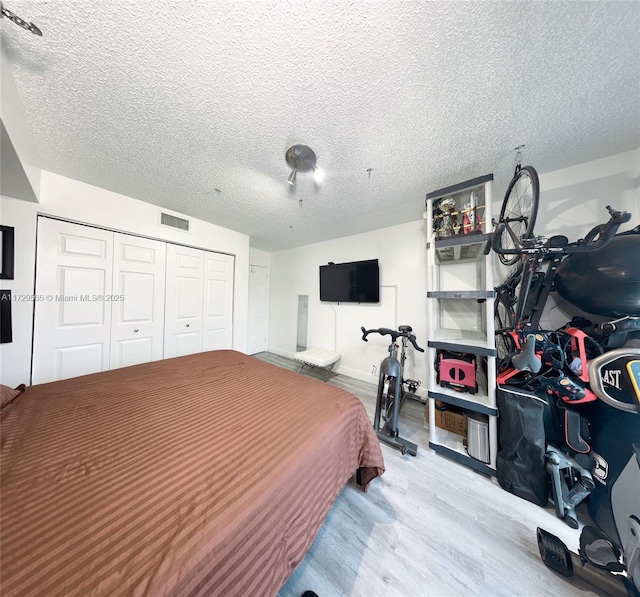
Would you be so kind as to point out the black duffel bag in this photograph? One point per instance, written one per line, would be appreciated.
(521, 431)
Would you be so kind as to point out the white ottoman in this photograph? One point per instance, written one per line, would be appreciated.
(317, 357)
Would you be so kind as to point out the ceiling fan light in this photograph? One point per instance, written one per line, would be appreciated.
(318, 175)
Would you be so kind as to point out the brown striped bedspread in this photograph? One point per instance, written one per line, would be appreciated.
(201, 475)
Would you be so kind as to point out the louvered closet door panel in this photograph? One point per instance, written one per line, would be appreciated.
(138, 319)
(183, 301)
(218, 301)
(72, 325)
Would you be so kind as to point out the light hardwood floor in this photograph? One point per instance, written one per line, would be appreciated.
(427, 527)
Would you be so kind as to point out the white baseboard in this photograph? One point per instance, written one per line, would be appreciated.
(357, 374)
(280, 352)
(348, 371)
(364, 376)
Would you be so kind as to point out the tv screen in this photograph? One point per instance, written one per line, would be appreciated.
(354, 282)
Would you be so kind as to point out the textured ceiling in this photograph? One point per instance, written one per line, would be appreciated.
(191, 105)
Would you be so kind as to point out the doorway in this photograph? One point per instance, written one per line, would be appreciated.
(258, 309)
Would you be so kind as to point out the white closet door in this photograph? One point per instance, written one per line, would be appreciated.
(218, 301)
(183, 302)
(137, 328)
(72, 325)
(258, 309)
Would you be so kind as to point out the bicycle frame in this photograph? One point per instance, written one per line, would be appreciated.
(525, 318)
(528, 287)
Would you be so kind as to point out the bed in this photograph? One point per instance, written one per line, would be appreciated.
(201, 475)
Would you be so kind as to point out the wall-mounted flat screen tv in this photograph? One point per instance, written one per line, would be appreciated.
(354, 282)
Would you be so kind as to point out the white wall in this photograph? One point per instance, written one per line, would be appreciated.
(67, 198)
(402, 256)
(572, 201)
(15, 357)
(258, 257)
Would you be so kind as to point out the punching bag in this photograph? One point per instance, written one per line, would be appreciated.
(604, 282)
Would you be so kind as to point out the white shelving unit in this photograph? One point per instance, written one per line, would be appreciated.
(460, 312)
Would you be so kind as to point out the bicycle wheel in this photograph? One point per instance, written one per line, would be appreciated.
(504, 322)
(519, 211)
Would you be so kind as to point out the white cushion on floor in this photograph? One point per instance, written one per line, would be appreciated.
(320, 357)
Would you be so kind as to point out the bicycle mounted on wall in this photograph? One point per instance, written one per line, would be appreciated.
(521, 298)
(597, 364)
(391, 392)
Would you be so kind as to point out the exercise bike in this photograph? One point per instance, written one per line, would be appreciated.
(391, 392)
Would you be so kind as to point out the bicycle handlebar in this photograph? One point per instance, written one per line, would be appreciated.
(381, 331)
(602, 234)
(394, 336)
(488, 246)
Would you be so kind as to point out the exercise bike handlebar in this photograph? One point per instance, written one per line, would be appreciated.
(598, 237)
(395, 334)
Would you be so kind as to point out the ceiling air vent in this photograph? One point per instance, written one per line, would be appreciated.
(174, 222)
